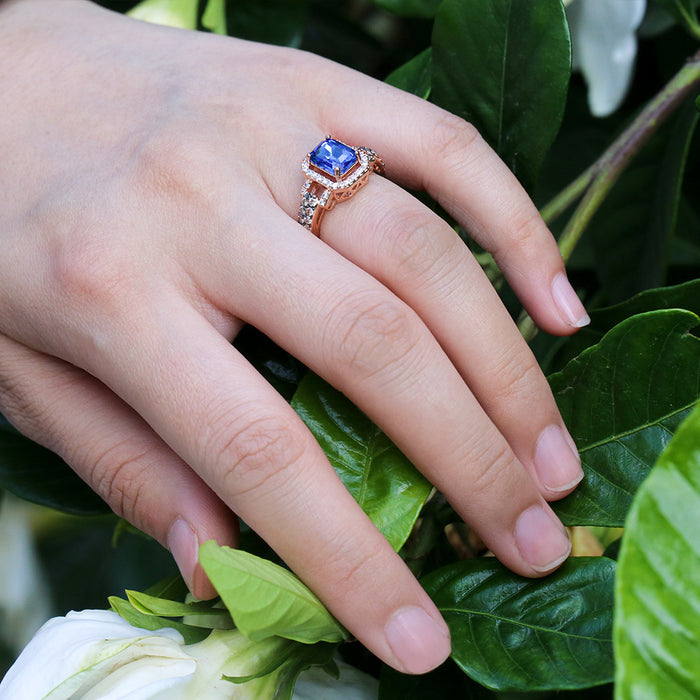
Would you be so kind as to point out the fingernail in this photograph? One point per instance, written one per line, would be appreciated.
(568, 303)
(419, 643)
(558, 465)
(184, 546)
(542, 539)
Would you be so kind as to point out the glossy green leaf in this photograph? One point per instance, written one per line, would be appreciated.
(504, 65)
(410, 8)
(518, 634)
(414, 76)
(657, 619)
(682, 296)
(265, 599)
(622, 399)
(36, 474)
(380, 478)
(632, 234)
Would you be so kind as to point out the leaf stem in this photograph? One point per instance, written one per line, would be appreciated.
(570, 194)
(597, 181)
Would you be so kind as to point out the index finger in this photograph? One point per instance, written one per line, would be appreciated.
(427, 148)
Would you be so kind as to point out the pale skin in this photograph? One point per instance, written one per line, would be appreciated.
(150, 182)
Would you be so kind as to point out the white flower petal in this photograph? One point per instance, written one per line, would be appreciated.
(79, 650)
(147, 678)
(605, 47)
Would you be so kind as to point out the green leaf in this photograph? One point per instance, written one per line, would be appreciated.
(415, 75)
(170, 588)
(266, 600)
(410, 8)
(504, 65)
(162, 607)
(657, 619)
(685, 11)
(517, 634)
(267, 657)
(380, 478)
(128, 612)
(682, 296)
(632, 232)
(622, 399)
(36, 474)
(214, 17)
(302, 658)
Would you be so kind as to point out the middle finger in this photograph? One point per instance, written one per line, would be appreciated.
(413, 252)
(348, 327)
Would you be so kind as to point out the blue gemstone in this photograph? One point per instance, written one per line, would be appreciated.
(331, 154)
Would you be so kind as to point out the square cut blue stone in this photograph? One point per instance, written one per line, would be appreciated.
(331, 154)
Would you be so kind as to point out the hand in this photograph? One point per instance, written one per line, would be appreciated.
(151, 183)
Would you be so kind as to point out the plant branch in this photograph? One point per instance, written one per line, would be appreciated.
(599, 179)
(595, 183)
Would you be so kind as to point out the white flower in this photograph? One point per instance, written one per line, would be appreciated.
(96, 655)
(24, 595)
(603, 35)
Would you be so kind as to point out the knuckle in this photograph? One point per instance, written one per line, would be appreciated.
(516, 377)
(524, 237)
(183, 170)
(416, 244)
(367, 332)
(258, 454)
(451, 137)
(351, 567)
(29, 400)
(86, 272)
(118, 475)
(492, 464)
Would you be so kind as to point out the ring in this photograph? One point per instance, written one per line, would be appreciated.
(334, 172)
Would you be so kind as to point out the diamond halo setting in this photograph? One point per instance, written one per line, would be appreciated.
(335, 171)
